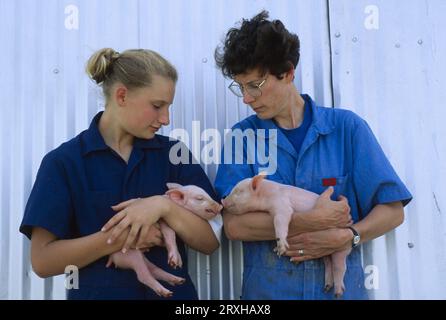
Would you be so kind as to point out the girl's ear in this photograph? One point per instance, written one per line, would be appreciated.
(121, 95)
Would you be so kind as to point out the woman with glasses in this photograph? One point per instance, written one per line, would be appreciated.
(324, 150)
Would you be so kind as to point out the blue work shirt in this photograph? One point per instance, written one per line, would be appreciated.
(339, 148)
(77, 184)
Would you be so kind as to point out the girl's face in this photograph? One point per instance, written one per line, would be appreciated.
(144, 110)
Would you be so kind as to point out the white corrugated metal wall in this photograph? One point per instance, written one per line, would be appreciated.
(389, 66)
(381, 59)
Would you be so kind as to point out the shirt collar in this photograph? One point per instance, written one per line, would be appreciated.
(322, 121)
(93, 140)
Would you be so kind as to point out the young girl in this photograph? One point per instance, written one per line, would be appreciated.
(121, 160)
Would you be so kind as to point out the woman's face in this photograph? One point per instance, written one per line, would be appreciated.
(273, 97)
(145, 110)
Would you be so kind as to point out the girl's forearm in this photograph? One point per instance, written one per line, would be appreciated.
(50, 258)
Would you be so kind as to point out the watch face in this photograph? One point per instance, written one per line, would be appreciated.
(356, 239)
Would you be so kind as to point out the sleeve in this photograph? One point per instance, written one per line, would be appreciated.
(49, 204)
(193, 174)
(374, 178)
(233, 167)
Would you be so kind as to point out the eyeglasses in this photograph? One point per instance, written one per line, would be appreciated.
(254, 90)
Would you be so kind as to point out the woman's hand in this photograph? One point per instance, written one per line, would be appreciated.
(139, 215)
(332, 214)
(317, 244)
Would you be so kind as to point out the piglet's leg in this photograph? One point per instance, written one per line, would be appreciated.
(160, 274)
(281, 223)
(134, 260)
(173, 256)
(328, 273)
(339, 268)
(146, 277)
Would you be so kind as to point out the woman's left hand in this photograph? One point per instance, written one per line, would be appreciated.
(138, 214)
(317, 244)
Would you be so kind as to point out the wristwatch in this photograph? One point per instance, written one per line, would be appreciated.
(356, 237)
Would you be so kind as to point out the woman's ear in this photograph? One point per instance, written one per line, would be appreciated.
(290, 75)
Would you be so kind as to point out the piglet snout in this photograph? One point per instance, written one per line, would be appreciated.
(218, 208)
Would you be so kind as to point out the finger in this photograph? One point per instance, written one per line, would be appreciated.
(118, 230)
(123, 205)
(342, 198)
(132, 236)
(300, 259)
(158, 241)
(295, 240)
(109, 262)
(158, 233)
(114, 220)
(143, 234)
(295, 252)
(295, 247)
(328, 192)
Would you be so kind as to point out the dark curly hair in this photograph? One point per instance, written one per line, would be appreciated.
(258, 43)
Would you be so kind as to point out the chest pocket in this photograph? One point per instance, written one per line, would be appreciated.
(339, 183)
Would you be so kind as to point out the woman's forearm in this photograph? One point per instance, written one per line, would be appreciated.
(382, 219)
(51, 256)
(259, 226)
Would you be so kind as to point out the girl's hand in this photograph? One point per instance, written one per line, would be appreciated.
(139, 215)
(154, 239)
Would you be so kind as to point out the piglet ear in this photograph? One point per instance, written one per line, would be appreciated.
(171, 185)
(256, 180)
(175, 195)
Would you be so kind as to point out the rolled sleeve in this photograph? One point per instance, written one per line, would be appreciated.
(49, 204)
(374, 178)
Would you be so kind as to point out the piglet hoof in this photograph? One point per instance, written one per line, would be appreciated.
(276, 250)
(339, 291)
(174, 281)
(174, 260)
(281, 248)
(328, 287)
(164, 293)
